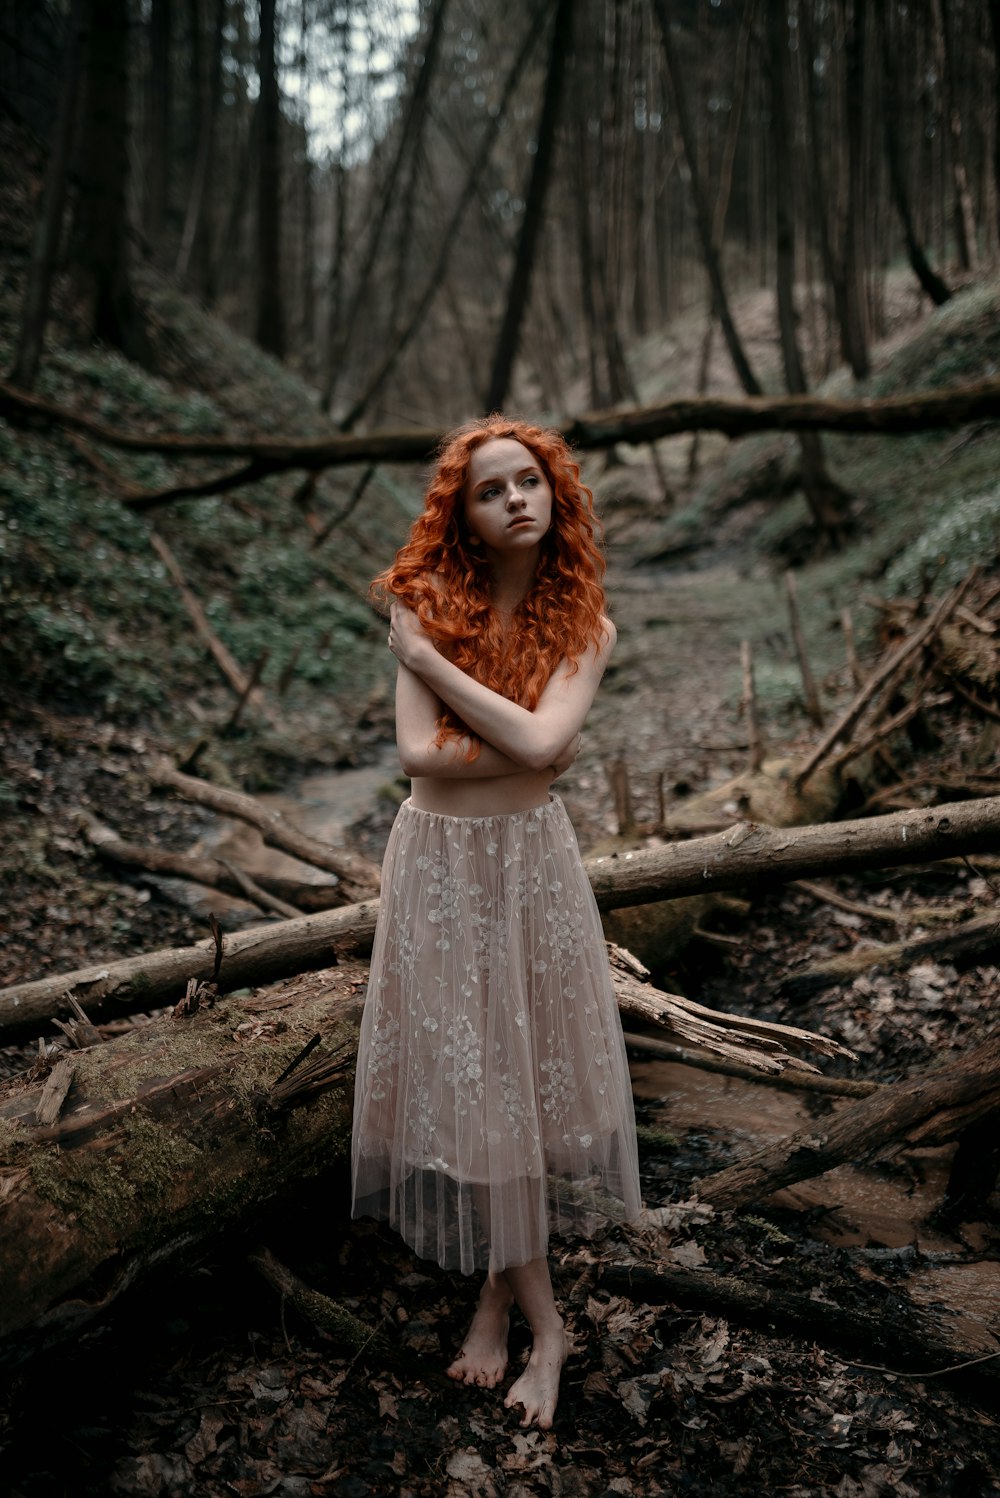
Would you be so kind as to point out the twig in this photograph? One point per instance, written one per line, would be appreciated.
(986, 708)
(810, 692)
(888, 728)
(251, 685)
(847, 626)
(888, 668)
(748, 707)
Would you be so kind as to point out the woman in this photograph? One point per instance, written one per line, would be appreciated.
(493, 1101)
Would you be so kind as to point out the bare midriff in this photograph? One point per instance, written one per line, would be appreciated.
(491, 796)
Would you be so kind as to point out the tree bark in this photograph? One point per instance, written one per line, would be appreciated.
(158, 155)
(931, 282)
(48, 229)
(169, 1134)
(928, 1109)
(826, 499)
(994, 6)
(270, 307)
(192, 256)
(100, 233)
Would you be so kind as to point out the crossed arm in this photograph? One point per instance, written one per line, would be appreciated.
(513, 738)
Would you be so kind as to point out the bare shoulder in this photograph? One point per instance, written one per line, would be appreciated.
(609, 637)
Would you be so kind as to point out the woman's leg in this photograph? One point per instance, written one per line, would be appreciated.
(482, 1358)
(537, 1390)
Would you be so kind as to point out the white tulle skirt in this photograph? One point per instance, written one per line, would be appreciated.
(493, 1102)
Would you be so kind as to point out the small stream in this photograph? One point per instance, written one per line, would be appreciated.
(854, 1206)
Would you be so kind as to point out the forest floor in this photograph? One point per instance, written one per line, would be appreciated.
(199, 1382)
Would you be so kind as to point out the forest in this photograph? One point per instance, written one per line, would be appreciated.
(256, 259)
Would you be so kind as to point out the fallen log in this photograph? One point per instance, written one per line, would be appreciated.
(360, 877)
(136, 1148)
(970, 944)
(745, 854)
(261, 954)
(892, 415)
(932, 1107)
(298, 898)
(754, 855)
(167, 1135)
(890, 1326)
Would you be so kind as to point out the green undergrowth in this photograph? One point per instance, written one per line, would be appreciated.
(927, 506)
(91, 621)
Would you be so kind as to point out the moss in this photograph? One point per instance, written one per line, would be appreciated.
(656, 1141)
(11, 1138)
(767, 1230)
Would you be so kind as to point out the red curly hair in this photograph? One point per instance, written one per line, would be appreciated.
(445, 580)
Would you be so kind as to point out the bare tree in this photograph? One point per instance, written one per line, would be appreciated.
(702, 213)
(827, 501)
(270, 301)
(48, 228)
(100, 234)
(524, 259)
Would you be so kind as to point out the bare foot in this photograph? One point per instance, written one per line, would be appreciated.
(537, 1390)
(482, 1358)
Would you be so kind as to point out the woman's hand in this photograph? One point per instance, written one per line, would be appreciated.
(407, 640)
(566, 756)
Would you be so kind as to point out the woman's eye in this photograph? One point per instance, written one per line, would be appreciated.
(531, 479)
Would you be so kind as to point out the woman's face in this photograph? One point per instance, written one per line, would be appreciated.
(507, 499)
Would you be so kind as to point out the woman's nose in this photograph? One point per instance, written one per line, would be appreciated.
(515, 499)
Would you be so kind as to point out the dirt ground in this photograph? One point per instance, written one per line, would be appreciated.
(201, 1382)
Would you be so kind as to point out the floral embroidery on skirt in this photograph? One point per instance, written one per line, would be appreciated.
(493, 1102)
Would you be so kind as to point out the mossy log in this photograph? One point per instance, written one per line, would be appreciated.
(930, 1108)
(167, 1135)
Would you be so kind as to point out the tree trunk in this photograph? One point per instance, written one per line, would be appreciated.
(169, 1134)
(964, 215)
(448, 234)
(702, 213)
(854, 257)
(270, 307)
(995, 28)
(192, 257)
(100, 237)
(931, 1108)
(158, 155)
(342, 323)
(931, 282)
(826, 499)
(524, 258)
(48, 229)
